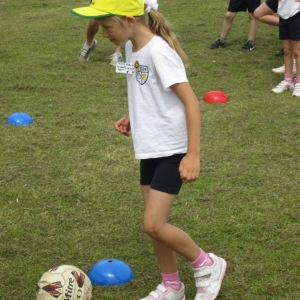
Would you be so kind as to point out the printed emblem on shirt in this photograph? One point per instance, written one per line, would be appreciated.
(142, 74)
(136, 65)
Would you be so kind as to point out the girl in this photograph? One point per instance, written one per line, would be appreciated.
(164, 118)
(289, 23)
(266, 13)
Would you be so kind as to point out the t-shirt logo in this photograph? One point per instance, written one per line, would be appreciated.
(142, 74)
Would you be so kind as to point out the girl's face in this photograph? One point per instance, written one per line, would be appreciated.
(116, 31)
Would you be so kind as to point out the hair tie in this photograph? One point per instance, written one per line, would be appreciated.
(151, 4)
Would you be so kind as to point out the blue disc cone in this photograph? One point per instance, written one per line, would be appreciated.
(110, 272)
(19, 119)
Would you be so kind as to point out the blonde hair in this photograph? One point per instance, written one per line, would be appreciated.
(160, 26)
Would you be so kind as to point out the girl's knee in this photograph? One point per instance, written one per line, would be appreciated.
(151, 229)
(296, 52)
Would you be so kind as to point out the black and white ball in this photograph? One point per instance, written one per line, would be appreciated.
(64, 283)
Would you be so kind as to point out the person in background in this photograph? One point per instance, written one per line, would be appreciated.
(234, 7)
(289, 33)
(266, 13)
(91, 44)
(164, 120)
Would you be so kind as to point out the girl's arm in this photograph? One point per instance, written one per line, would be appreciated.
(190, 165)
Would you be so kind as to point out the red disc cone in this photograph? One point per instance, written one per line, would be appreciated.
(215, 97)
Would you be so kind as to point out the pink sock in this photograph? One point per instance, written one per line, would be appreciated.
(288, 78)
(172, 280)
(298, 79)
(202, 260)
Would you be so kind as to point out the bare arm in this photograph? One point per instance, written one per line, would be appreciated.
(190, 164)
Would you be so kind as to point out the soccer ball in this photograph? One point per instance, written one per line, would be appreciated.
(64, 283)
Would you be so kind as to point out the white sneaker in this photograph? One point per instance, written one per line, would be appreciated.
(166, 293)
(296, 92)
(209, 279)
(281, 69)
(86, 51)
(115, 58)
(283, 86)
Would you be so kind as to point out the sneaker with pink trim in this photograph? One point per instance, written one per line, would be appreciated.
(283, 86)
(296, 92)
(209, 279)
(166, 293)
(281, 69)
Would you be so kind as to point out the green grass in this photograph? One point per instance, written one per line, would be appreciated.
(69, 190)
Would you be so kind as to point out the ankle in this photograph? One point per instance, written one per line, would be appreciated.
(172, 280)
(288, 78)
(203, 260)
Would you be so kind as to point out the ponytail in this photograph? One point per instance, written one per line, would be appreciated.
(161, 27)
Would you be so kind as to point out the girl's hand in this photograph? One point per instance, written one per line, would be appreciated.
(189, 168)
(123, 125)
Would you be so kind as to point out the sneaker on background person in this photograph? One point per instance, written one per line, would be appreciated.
(115, 58)
(217, 44)
(281, 69)
(209, 278)
(283, 86)
(86, 51)
(248, 46)
(280, 52)
(163, 293)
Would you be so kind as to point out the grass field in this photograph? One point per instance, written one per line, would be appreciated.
(69, 190)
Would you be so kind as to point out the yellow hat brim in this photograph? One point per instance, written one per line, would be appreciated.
(90, 13)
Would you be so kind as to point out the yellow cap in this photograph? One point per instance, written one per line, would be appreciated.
(107, 8)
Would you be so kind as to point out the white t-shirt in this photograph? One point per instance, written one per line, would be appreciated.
(157, 115)
(287, 8)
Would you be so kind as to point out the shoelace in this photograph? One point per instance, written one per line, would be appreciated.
(85, 49)
(115, 55)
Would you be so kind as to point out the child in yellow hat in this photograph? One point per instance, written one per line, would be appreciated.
(164, 120)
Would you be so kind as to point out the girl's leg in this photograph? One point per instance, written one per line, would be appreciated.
(287, 84)
(288, 56)
(266, 15)
(296, 52)
(167, 239)
(172, 286)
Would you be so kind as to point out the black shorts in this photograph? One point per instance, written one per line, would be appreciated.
(289, 28)
(243, 5)
(162, 174)
(273, 4)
